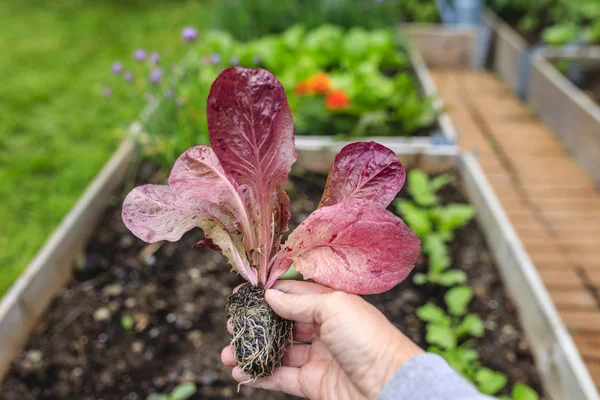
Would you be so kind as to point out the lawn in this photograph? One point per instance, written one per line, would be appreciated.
(56, 127)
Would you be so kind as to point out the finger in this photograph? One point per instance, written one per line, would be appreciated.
(306, 308)
(228, 356)
(305, 332)
(297, 287)
(284, 379)
(230, 326)
(296, 356)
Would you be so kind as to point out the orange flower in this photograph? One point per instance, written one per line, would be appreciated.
(302, 88)
(319, 83)
(337, 100)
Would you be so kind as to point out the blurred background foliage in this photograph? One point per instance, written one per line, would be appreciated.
(56, 127)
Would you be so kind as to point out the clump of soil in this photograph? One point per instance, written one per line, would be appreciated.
(142, 318)
(260, 337)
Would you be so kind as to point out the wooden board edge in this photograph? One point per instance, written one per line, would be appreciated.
(559, 363)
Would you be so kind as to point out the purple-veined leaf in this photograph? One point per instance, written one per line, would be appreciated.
(364, 170)
(252, 134)
(355, 246)
(154, 213)
(198, 174)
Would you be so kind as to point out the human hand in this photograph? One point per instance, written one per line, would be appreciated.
(349, 350)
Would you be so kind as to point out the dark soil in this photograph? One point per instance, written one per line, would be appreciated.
(142, 318)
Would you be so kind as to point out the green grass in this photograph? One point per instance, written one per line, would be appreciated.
(56, 128)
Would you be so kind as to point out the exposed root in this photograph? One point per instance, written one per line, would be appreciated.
(260, 337)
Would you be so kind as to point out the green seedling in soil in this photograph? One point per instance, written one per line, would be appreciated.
(183, 391)
(520, 391)
(435, 224)
(451, 336)
(446, 330)
(127, 323)
(234, 192)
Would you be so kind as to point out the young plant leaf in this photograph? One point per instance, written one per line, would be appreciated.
(355, 246)
(523, 392)
(490, 382)
(452, 217)
(364, 170)
(420, 188)
(457, 299)
(451, 278)
(470, 325)
(420, 279)
(432, 313)
(184, 391)
(416, 217)
(252, 133)
(155, 212)
(440, 181)
(442, 336)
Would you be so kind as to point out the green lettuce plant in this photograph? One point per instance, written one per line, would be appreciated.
(553, 22)
(435, 224)
(371, 69)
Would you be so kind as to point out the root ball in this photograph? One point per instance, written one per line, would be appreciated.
(260, 337)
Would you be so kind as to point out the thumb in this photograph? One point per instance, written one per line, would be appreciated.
(305, 308)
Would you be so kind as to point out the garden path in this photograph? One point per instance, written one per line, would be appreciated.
(552, 203)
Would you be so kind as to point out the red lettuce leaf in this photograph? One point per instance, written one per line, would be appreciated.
(199, 195)
(355, 246)
(364, 170)
(252, 133)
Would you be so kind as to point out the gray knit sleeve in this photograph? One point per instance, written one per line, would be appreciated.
(429, 377)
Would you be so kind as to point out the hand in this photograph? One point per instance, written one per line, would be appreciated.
(351, 349)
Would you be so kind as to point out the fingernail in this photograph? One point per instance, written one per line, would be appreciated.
(274, 292)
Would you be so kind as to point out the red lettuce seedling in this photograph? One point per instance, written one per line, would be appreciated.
(233, 192)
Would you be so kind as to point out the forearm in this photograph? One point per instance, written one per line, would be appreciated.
(429, 377)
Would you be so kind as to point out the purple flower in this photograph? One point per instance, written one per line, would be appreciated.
(139, 55)
(117, 67)
(215, 58)
(189, 34)
(256, 59)
(107, 92)
(128, 76)
(154, 58)
(155, 76)
(234, 60)
(169, 93)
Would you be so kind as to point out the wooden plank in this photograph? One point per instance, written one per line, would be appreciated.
(560, 365)
(588, 345)
(574, 300)
(507, 54)
(443, 46)
(565, 279)
(570, 113)
(594, 277)
(582, 321)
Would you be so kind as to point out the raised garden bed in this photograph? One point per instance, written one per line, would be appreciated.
(572, 112)
(443, 46)
(167, 290)
(516, 35)
(86, 346)
(373, 85)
